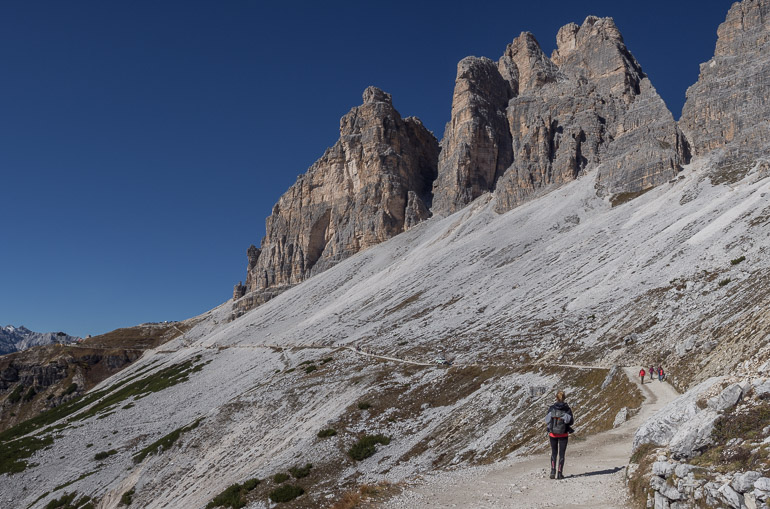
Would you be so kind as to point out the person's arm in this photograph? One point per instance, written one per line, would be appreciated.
(548, 420)
(567, 417)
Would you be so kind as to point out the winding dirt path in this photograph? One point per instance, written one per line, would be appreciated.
(594, 471)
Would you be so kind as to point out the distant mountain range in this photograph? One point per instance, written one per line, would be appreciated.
(15, 339)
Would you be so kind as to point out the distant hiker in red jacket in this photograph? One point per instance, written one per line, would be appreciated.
(558, 422)
(641, 374)
(661, 374)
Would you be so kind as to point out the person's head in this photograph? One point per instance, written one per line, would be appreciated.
(560, 396)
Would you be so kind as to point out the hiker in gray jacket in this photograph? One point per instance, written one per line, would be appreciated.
(558, 422)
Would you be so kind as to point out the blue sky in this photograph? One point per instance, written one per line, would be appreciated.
(143, 143)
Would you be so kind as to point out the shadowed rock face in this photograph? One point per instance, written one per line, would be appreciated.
(589, 106)
(374, 183)
(728, 106)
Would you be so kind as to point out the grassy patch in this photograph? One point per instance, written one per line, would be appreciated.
(300, 472)
(746, 425)
(724, 282)
(310, 369)
(621, 198)
(104, 454)
(31, 393)
(62, 486)
(70, 389)
(15, 396)
(639, 482)
(13, 454)
(326, 359)
(325, 433)
(163, 379)
(364, 405)
(738, 260)
(164, 442)
(281, 477)
(285, 493)
(70, 501)
(127, 497)
(366, 446)
(233, 496)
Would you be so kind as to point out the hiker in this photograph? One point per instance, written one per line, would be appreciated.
(641, 374)
(558, 422)
(661, 374)
(652, 372)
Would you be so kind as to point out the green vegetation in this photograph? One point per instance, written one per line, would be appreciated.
(104, 454)
(285, 493)
(31, 393)
(127, 406)
(15, 396)
(70, 389)
(38, 499)
(366, 446)
(279, 478)
(324, 433)
(13, 454)
(364, 405)
(163, 379)
(724, 282)
(165, 442)
(127, 497)
(233, 496)
(737, 260)
(69, 501)
(14, 449)
(300, 472)
(62, 486)
(305, 363)
(326, 359)
(310, 369)
(745, 425)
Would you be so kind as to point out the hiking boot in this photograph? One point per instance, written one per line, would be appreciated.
(553, 473)
(559, 476)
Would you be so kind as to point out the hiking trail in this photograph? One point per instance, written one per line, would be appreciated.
(594, 471)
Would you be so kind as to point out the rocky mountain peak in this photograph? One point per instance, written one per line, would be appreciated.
(374, 183)
(532, 122)
(596, 49)
(375, 95)
(535, 69)
(727, 107)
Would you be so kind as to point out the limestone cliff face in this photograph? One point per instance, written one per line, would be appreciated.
(728, 106)
(374, 183)
(589, 106)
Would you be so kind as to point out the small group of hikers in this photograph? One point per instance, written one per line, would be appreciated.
(559, 420)
(653, 373)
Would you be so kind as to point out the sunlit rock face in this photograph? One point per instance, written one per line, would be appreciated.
(531, 123)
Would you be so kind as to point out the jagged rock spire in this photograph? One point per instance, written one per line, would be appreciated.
(374, 183)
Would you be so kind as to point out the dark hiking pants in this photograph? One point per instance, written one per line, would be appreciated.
(558, 445)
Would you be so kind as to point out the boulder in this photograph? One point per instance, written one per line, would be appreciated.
(731, 497)
(762, 390)
(744, 482)
(620, 417)
(683, 469)
(663, 469)
(693, 435)
(727, 398)
(763, 484)
(661, 428)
